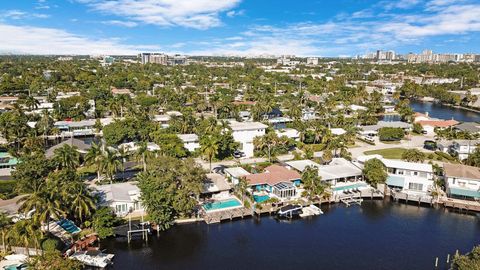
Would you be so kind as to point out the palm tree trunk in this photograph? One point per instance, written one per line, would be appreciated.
(144, 163)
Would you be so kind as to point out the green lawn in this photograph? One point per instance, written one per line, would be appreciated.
(390, 153)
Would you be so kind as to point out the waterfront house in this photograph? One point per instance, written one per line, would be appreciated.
(234, 174)
(409, 176)
(215, 186)
(463, 148)
(340, 173)
(245, 132)
(461, 181)
(277, 180)
(7, 164)
(123, 198)
(190, 141)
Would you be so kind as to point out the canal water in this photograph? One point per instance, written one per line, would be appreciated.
(444, 112)
(376, 235)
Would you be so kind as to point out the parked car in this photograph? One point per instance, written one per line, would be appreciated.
(430, 145)
(238, 154)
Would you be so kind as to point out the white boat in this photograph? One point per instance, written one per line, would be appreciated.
(93, 258)
(311, 210)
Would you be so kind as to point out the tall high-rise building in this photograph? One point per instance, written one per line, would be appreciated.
(155, 58)
(312, 61)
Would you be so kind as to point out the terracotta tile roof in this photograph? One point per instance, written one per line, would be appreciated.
(438, 123)
(246, 102)
(461, 171)
(273, 174)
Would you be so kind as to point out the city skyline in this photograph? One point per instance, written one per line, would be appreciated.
(236, 27)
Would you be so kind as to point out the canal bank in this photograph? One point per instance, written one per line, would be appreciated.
(437, 110)
(378, 234)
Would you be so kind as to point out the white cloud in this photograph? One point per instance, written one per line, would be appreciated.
(121, 23)
(356, 33)
(198, 14)
(38, 40)
(234, 13)
(20, 15)
(401, 4)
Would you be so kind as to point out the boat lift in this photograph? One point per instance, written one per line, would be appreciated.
(144, 231)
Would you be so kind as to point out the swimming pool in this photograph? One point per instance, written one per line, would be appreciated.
(356, 185)
(221, 205)
(68, 226)
(260, 199)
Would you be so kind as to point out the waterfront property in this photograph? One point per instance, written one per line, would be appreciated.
(226, 204)
(245, 132)
(462, 182)
(409, 176)
(277, 181)
(340, 173)
(123, 198)
(215, 187)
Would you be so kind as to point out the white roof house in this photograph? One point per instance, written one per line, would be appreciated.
(337, 169)
(122, 197)
(235, 174)
(289, 133)
(190, 141)
(338, 131)
(404, 165)
(215, 183)
(245, 132)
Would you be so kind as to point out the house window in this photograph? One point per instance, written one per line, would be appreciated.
(400, 172)
(415, 186)
(415, 173)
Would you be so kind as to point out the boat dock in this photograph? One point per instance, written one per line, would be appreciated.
(461, 205)
(228, 214)
(411, 197)
(351, 200)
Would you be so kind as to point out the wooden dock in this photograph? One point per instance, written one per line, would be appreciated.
(409, 197)
(230, 214)
(461, 205)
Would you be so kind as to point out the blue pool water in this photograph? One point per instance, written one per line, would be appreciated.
(357, 185)
(221, 205)
(68, 226)
(260, 199)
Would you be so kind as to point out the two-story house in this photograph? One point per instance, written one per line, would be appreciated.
(245, 132)
(461, 181)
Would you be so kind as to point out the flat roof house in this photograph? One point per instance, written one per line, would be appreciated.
(245, 132)
(216, 186)
(7, 164)
(190, 141)
(409, 176)
(234, 174)
(461, 181)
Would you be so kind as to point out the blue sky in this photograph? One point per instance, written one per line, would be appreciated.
(238, 27)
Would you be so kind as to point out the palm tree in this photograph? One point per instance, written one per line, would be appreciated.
(95, 157)
(82, 202)
(269, 141)
(45, 201)
(209, 148)
(142, 154)
(110, 163)
(67, 156)
(5, 223)
(31, 102)
(122, 155)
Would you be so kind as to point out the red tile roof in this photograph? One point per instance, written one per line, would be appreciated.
(273, 174)
(438, 123)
